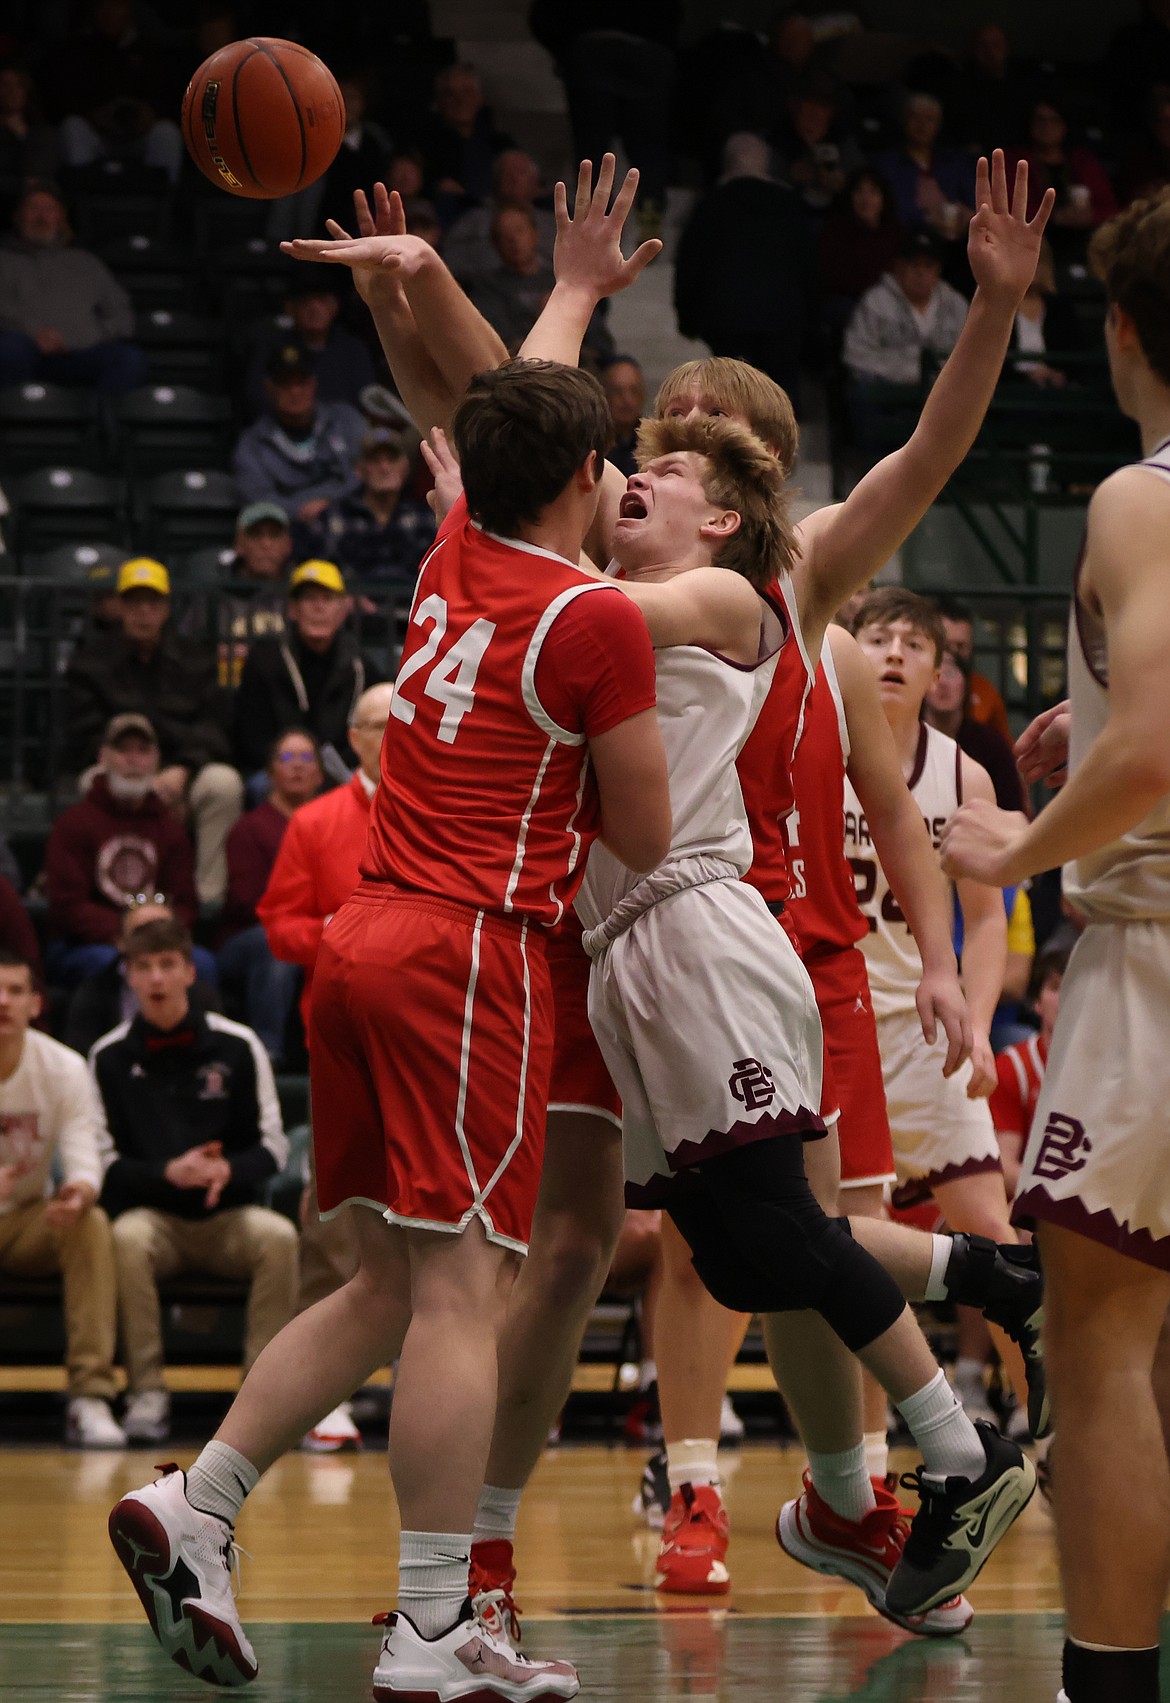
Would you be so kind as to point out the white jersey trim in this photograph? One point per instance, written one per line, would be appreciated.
(532, 702)
(523, 1094)
(522, 836)
(528, 549)
(834, 686)
(465, 1055)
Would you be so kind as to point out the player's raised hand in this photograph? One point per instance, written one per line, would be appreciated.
(588, 253)
(1042, 749)
(448, 486)
(382, 255)
(940, 1000)
(1003, 245)
(980, 841)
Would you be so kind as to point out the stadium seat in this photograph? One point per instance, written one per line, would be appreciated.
(182, 347)
(164, 425)
(205, 567)
(221, 221)
(40, 423)
(60, 505)
(154, 273)
(190, 510)
(116, 198)
(90, 564)
(250, 278)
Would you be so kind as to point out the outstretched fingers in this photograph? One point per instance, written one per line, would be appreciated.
(561, 206)
(982, 183)
(1020, 193)
(361, 209)
(999, 191)
(641, 258)
(584, 190)
(605, 178)
(1043, 212)
(625, 196)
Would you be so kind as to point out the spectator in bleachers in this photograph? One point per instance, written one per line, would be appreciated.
(932, 185)
(745, 274)
(194, 1134)
(29, 151)
(947, 708)
(64, 317)
(1021, 1067)
(422, 220)
(859, 242)
(984, 702)
(119, 840)
(813, 152)
(111, 86)
(380, 533)
(341, 362)
(989, 99)
(405, 172)
(1084, 194)
(624, 384)
(148, 669)
(310, 677)
(512, 293)
(910, 314)
(9, 867)
(49, 1115)
(17, 933)
(253, 603)
(460, 139)
(1146, 167)
(468, 248)
(102, 1001)
(300, 452)
(268, 986)
(361, 160)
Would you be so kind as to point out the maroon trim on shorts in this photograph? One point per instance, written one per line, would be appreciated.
(915, 1190)
(719, 1141)
(1037, 1203)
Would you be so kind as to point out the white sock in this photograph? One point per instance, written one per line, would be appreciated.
(695, 1460)
(432, 1578)
(648, 1375)
(936, 1283)
(949, 1442)
(842, 1480)
(219, 1481)
(495, 1516)
(877, 1453)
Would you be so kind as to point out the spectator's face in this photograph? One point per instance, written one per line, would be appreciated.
(1048, 127)
(960, 638)
(159, 982)
(368, 727)
(294, 401)
(625, 391)
(666, 511)
(264, 549)
(132, 759)
(138, 914)
(989, 49)
(903, 660)
(1047, 1002)
(812, 120)
(949, 691)
(354, 97)
(405, 175)
(13, 92)
(317, 614)
(313, 315)
(215, 30)
(918, 276)
(459, 98)
(40, 219)
(794, 42)
(515, 238)
(516, 178)
(867, 202)
(143, 615)
(20, 1002)
(383, 472)
(295, 771)
(921, 123)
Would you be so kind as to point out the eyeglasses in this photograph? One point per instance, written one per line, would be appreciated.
(296, 756)
(137, 899)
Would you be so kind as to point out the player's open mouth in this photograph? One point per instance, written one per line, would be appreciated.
(892, 677)
(632, 507)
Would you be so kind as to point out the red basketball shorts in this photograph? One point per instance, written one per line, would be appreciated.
(431, 1042)
(580, 1078)
(853, 1066)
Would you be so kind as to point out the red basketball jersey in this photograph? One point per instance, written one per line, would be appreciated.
(764, 765)
(823, 903)
(1021, 1076)
(485, 797)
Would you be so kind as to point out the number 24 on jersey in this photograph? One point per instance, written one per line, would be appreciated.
(450, 676)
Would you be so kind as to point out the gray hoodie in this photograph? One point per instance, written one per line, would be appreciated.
(66, 288)
(886, 339)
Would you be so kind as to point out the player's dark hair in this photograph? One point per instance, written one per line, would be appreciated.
(11, 959)
(953, 608)
(887, 603)
(288, 733)
(1131, 256)
(167, 934)
(1049, 961)
(522, 432)
(741, 474)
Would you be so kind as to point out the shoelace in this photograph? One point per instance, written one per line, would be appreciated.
(231, 1559)
(497, 1609)
(931, 1525)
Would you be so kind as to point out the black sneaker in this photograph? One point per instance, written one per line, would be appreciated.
(1005, 1282)
(652, 1503)
(958, 1524)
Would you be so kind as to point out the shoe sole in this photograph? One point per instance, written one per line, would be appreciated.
(202, 1644)
(868, 1577)
(476, 1693)
(1022, 1488)
(694, 1587)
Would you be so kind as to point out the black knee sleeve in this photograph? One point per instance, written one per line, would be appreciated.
(761, 1244)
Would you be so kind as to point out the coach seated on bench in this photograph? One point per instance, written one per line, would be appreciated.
(194, 1134)
(49, 1111)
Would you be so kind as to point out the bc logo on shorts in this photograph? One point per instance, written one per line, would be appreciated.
(751, 1082)
(1064, 1148)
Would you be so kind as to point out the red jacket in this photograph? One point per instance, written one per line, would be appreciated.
(252, 848)
(316, 870)
(101, 852)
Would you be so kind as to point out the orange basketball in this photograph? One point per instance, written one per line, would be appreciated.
(263, 117)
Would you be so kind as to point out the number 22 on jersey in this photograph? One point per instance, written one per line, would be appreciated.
(450, 678)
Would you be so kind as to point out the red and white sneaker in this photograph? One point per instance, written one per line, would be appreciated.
(180, 1562)
(692, 1559)
(490, 1579)
(865, 1552)
(469, 1662)
(335, 1432)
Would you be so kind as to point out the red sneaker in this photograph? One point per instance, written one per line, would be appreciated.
(865, 1552)
(490, 1578)
(692, 1557)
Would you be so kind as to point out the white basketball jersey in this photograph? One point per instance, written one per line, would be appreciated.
(707, 706)
(891, 956)
(1129, 878)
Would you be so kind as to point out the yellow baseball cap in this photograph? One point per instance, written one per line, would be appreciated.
(143, 573)
(325, 574)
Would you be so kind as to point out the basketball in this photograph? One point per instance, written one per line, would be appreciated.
(263, 117)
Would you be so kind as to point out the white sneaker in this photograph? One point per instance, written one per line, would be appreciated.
(730, 1424)
(180, 1562)
(336, 1431)
(90, 1424)
(147, 1416)
(972, 1394)
(470, 1661)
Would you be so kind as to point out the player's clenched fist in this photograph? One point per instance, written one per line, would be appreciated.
(980, 842)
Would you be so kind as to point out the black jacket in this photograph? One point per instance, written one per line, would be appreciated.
(166, 1092)
(285, 685)
(175, 688)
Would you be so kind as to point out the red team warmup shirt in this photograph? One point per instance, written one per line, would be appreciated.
(1021, 1076)
(432, 1010)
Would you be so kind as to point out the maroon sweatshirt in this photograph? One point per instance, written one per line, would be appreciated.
(252, 846)
(101, 852)
(16, 928)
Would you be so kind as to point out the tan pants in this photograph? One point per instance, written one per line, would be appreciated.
(84, 1255)
(329, 1253)
(249, 1243)
(215, 799)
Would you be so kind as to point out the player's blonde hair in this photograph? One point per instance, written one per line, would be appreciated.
(741, 474)
(734, 387)
(1131, 256)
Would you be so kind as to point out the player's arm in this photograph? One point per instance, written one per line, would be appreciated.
(629, 763)
(704, 606)
(984, 948)
(1126, 770)
(1042, 749)
(903, 847)
(844, 546)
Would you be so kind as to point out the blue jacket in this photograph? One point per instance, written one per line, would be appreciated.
(270, 466)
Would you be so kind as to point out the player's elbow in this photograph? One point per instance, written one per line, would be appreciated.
(640, 840)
